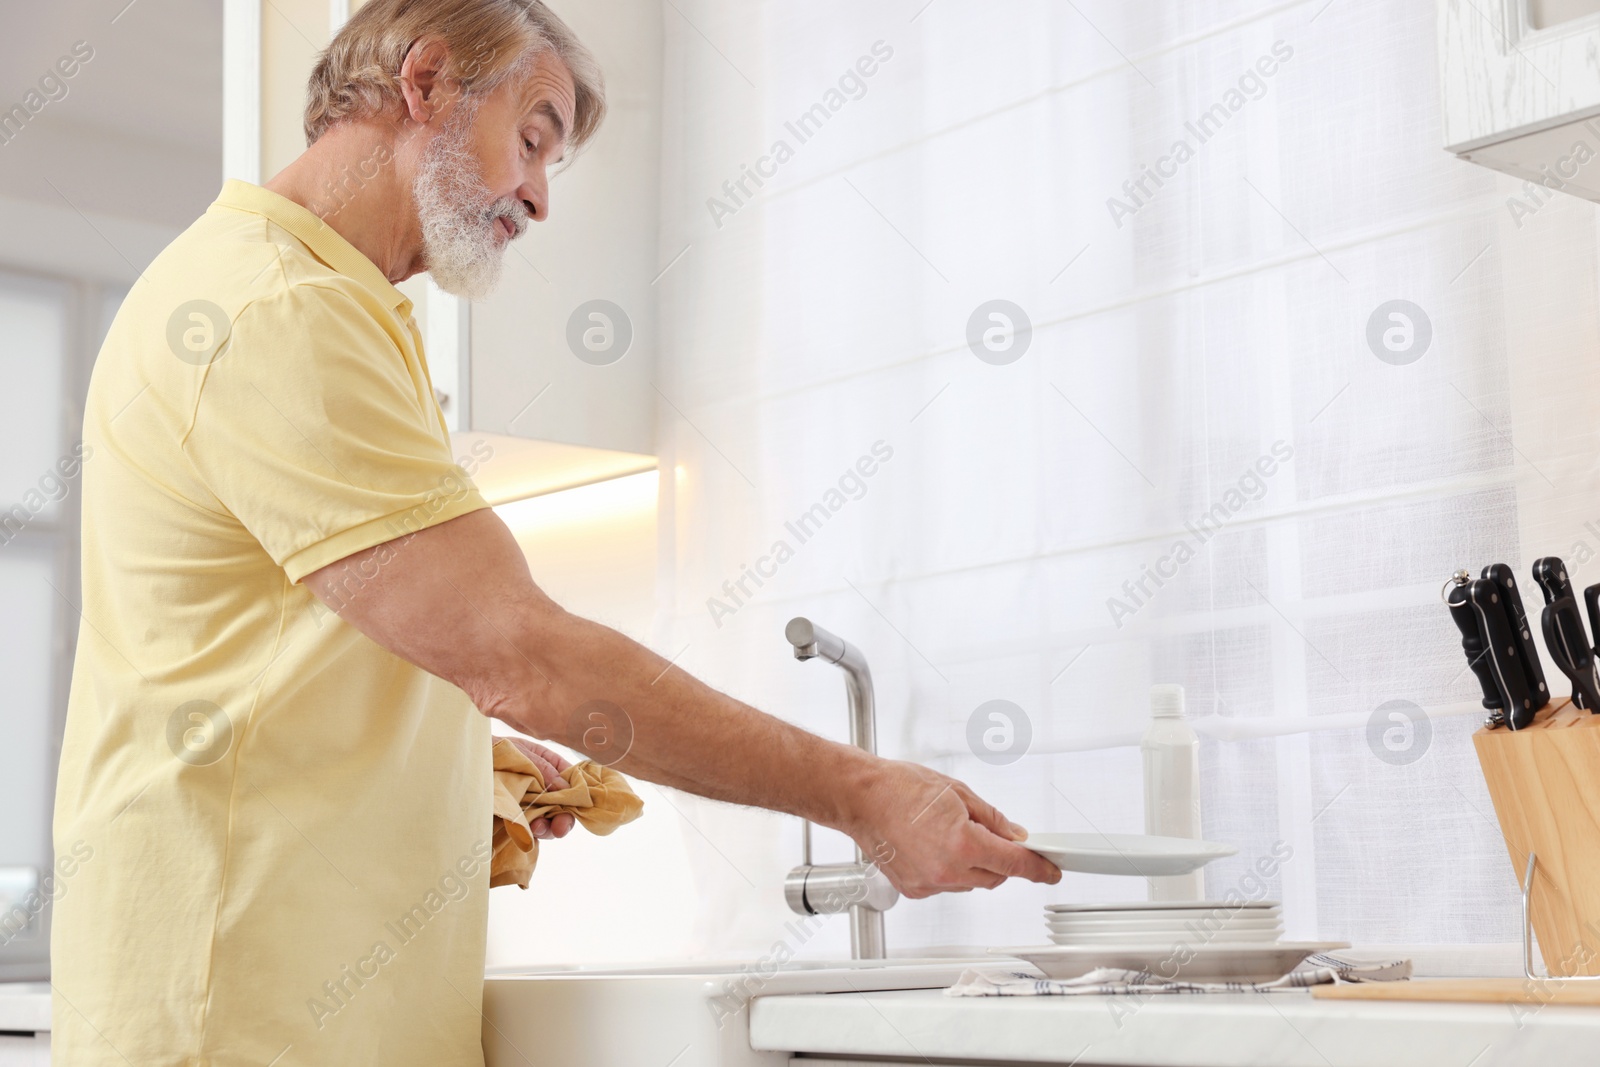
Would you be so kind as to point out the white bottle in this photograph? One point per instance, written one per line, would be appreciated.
(1172, 786)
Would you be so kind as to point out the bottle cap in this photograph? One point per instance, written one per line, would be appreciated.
(1166, 701)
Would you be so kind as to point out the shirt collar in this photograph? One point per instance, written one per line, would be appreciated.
(323, 240)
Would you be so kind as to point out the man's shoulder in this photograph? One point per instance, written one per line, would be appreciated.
(248, 257)
(230, 268)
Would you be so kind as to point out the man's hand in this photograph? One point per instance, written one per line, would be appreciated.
(930, 833)
(552, 768)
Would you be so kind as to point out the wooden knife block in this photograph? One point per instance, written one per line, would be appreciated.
(1545, 783)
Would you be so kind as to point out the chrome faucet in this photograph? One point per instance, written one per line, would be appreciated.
(859, 887)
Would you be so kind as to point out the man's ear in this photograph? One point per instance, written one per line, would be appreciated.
(424, 90)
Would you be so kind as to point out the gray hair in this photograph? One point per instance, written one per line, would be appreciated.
(358, 75)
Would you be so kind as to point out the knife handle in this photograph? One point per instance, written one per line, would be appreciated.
(1551, 574)
(1494, 621)
(1564, 636)
(1473, 645)
(1505, 581)
(1591, 600)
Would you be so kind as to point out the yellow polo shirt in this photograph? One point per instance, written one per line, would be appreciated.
(277, 832)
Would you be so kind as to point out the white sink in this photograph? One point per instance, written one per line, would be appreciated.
(686, 1015)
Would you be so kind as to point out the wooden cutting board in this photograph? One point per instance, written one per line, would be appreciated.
(1466, 990)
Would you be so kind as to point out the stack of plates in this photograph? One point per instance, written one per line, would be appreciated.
(1164, 923)
(1203, 941)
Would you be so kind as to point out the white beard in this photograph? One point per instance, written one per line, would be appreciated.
(461, 242)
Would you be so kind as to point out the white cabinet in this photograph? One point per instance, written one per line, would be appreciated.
(552, 376)
(1520, 83)
(685, 1015)
(557, 366)
(565, 348)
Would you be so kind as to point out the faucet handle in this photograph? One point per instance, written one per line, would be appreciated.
(833, 888)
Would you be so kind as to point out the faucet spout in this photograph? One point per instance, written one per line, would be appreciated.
(811, 641)
(873, 892)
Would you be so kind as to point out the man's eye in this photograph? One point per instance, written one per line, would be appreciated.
(527, 144)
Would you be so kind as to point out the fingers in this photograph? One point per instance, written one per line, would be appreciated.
(994, 838)
(1003, 857)
(987, 815)
(556, 759)
(1010, 860)
(953, 845)
(982, 879)
(979, 861)
(546, 829)
(549, 772)
(551, 764)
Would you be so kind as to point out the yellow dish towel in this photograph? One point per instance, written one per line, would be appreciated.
(597, 796)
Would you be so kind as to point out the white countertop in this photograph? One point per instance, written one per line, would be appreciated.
(24, 1007)
(1245, 1030)
(1232, 1030)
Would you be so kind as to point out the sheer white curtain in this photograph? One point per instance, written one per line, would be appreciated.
(1215, 318)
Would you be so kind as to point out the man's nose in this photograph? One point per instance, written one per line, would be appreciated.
(534, 194)
(535, 201)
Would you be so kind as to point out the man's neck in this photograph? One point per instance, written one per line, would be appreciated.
(352, 179)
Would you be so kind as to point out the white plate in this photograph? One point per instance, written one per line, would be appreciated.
(1139, 855)
(1163, 928)
(1205, 963)
(1184, 932)
(1155, 907)
(1160, 919)
(1249, 937)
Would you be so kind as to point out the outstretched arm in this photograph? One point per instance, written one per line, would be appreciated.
(457, 600)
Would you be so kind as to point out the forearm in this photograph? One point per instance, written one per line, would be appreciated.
(585, 686)
(458, 601)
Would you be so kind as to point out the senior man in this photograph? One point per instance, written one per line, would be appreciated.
(254, 788)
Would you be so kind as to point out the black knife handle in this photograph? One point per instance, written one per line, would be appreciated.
(1494, 622)
(1564, 636)
(1505, 581)
(1551, 574)
(1472, 644)
(1591, 600)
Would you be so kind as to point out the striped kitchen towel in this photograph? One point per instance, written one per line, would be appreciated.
(1109, 981)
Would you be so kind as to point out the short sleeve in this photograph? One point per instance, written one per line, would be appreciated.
(320, 435)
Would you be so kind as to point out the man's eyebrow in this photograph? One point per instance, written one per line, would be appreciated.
(548, 110)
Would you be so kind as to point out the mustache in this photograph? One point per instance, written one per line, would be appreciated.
(511, 209)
